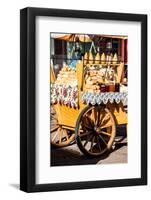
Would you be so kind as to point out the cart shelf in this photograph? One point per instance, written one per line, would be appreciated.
(104, 64)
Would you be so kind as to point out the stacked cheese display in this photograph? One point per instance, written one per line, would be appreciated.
(67, 76)
(99, 79)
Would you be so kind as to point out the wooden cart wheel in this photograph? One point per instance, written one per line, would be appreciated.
(59, 136)
(95, 130)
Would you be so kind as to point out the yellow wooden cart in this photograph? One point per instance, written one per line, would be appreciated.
(93, 127)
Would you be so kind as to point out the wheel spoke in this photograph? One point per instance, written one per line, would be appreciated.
(98, 117)
(98, 142)
(105, 133)
(88, 139)
(106, 126)
(102, 116)
(94, 115)
(92, 142)
(60, 138)
(54, 129)
(84, 134)
(89, 121)
(53, 117)
(54, 136)
(87, 127)
(105, 121)
(102, 139)
(66, 135)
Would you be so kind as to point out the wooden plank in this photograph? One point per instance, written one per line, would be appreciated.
(120, 69)
(52, 75)
(67, 116)
(79, 70)
(119, 113)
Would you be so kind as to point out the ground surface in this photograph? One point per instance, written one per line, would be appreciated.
(71, 155)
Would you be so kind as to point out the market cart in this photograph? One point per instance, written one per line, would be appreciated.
(89, 118)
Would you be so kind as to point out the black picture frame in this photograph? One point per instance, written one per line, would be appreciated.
(28, 98)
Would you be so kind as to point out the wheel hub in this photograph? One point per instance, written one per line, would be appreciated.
(97, 129)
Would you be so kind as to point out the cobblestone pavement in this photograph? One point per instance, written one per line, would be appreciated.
(71, 155)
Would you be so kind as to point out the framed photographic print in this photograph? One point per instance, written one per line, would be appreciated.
(83, 99)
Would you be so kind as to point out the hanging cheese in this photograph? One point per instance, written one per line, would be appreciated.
(114, 60)
(90, 58)
(86, 57)
(103, 57)
(97, 58)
